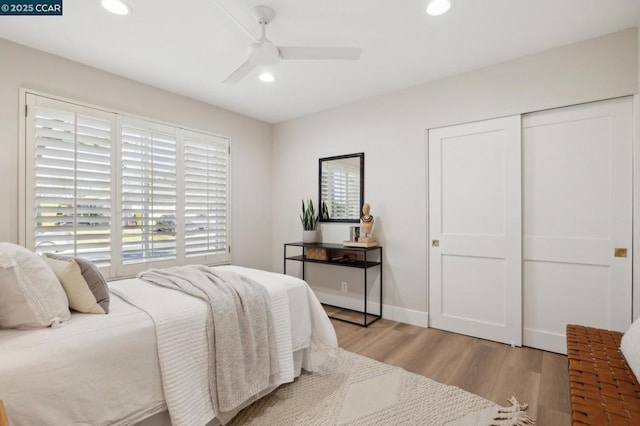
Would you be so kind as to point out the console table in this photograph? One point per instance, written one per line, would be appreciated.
(363, 261)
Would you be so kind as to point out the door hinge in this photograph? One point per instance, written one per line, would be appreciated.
(229, 149)
(229, 249)
(26, 110)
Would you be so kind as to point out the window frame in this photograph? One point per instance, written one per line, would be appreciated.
(117, 269)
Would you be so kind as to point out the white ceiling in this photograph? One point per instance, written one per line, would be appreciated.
(189, 47)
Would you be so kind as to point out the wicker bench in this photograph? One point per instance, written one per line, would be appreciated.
(603, 389)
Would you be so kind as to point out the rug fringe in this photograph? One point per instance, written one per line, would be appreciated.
(513, 416)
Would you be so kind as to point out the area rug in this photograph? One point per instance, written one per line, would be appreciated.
(356, 390)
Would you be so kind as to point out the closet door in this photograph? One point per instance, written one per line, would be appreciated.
(577, 220)
(475, 262)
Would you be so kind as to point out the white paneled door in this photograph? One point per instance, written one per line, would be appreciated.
(475, 256)
(577, 220)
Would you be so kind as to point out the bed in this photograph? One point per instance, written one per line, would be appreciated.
(105, 369)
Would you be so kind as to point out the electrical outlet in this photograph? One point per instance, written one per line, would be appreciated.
(345, 286)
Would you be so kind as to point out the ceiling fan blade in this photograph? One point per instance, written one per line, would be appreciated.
(239, 73)
(320, 52)
(234, 19)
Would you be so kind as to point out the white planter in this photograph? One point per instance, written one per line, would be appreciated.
(310, 236)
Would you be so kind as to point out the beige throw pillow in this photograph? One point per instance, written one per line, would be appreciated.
(30, 294)
(85, 287)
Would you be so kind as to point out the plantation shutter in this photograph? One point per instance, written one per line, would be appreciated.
(206, 199)
(148, 191)
(68, 174)
(123, 192)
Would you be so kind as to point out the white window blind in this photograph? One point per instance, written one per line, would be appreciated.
(123, 192)
(70, 166)
(148, 188)
(206, 194)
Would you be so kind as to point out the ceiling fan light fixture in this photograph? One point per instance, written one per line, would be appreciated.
(263, 54)
(438, 7)
(267, 77)
(117, 7)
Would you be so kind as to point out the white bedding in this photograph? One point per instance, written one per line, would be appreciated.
(103, 369)
(85, 372)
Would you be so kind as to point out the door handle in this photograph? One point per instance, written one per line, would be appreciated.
(435, 243)
(620, 252)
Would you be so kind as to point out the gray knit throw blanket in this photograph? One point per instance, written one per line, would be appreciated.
(243, 356)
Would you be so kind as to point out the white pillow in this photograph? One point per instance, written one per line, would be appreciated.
(630, 347)
(88, 296)
(30, 293)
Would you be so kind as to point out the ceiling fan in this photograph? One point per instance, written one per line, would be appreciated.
(264, 53)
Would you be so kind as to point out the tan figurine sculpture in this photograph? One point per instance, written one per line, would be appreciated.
(366, 226)
(366, 223)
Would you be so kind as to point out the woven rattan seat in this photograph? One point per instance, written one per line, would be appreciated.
(603, 389)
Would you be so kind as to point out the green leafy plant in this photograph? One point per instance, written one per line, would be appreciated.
(324, 211)
(309, 218)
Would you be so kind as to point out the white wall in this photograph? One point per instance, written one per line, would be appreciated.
(391, 131)
(250, 139)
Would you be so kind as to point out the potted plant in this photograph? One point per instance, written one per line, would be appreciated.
(309, 219)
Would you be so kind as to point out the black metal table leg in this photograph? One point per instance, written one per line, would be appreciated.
(365, 289)
(381, 268)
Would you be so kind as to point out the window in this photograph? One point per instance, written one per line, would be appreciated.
(148, 187)
(205, 185)
(123, 192)
(69, 197)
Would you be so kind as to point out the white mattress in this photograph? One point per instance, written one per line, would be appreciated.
(84, 371)
(103, 369)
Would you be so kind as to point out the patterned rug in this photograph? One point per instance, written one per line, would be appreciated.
(360, 391)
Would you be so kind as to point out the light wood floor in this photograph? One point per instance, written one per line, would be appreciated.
(491, 370)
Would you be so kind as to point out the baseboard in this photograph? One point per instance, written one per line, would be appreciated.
(407, 316)
(394, 313)
(545, 340)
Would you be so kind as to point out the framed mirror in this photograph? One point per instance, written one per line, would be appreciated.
(341, 188)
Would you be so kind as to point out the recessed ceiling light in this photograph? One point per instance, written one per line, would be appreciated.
(267, 77)
(117, 7)
(438, 7)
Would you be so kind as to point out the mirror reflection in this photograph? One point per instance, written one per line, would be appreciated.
(341, 188)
